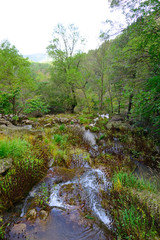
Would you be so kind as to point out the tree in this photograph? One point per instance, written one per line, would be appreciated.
(15, 78)
(65, 73)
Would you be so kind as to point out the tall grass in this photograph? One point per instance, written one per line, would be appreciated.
(132, 218)
(13, 147)
(124, 179)
(29, 166)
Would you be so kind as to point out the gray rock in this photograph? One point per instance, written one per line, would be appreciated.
(5, 164)
(27, 122)
(5, 122)
(48, 125)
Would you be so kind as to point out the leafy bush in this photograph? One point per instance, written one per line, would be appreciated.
(36, 105)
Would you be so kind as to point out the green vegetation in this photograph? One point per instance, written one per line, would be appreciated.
(29, 159)
(133, 219)
(14, 148)
(121, 78)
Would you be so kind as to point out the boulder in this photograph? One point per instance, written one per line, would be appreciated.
(32, 214)
(27, 122)
(43, 214)
(118, 125)
(117, 118)
(5, 122)
(5, 164)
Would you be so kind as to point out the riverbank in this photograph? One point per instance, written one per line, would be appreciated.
(72, 143)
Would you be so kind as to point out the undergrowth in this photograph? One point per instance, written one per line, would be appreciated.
(30, 156)
(133, 220)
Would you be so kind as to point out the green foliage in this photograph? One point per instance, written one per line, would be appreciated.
(42, 198)
(15, 148)
(133, 219)
(60, 139)
(132, 224)
(123, 179)
(29, 166)
(62, 127)
(15, 79)
(95, 129)
(2, 232)
(5, 105)
(36, 105)
(65, 74)
(147, 104)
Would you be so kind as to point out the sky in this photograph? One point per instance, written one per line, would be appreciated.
(29, 24)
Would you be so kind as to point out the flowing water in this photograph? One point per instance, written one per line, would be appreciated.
(65, 221)
(68, 221)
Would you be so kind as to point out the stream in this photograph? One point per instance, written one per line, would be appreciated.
(65, 220)
(76, 212)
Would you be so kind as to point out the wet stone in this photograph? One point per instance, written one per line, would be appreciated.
(32, 214)
(5, 164)
(18, 228)
(43, 214)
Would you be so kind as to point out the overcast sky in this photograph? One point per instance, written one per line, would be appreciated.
(28, 24)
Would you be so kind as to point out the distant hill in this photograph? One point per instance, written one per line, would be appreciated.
(38, 57)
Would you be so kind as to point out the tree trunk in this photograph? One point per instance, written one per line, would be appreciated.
(74, 100)
(111, 100)
(130, 105)
(14, 105)
(101, 94)
(119, 106)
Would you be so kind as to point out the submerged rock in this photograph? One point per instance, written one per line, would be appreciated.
(18, 228)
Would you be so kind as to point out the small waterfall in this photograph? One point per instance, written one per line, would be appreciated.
(92, 182)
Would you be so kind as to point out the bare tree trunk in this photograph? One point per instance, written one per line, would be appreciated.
(111, 99)
(74, 100)
(130, 105)
(101, 93)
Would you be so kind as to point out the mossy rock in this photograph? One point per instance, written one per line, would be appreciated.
(79, 157)
(65, 173)
(118, 125)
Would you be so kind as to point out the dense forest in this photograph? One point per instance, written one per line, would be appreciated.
(121, 76)
(79, 135)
